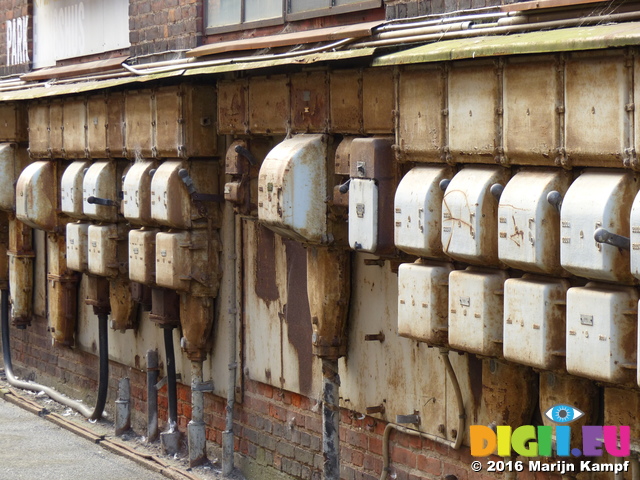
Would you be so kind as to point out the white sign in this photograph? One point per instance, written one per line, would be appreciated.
(70, 28)
(17, 41)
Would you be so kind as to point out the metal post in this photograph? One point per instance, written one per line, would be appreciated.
(196, 427)
(152, 396)
(123, 407)
(331, 419)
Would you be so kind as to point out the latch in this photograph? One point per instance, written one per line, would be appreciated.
(195, 196)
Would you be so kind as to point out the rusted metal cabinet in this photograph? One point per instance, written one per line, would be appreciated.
(378, 93)
(39, 129)
(77, 239)
(345, 103)
(534, 321)
(97, 123)
(142, 255)
(597, 199)
(74, 132)
(269, 105)
(310, 102)
(136, 193)
(13, 122)
(37, 196)
(138, 120)
(107, 249)
(101, 182)
(12, 161)
(56, 128)
(233, 112)
(71, 189)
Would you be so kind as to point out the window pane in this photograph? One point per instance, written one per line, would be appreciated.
(298, 6)
(262, 9)
(223, 12)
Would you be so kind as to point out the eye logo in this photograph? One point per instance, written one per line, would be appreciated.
(563, 414)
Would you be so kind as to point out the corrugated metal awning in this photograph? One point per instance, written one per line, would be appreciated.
(549, 41)
(53, 90)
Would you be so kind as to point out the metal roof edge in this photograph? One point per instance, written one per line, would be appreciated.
(547, 41)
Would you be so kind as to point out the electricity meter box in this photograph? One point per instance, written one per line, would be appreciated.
(635, 237)
(172, 204)
(602, 323)
(77, 239)
(292, 188)
(534, 321)
(136, 193)
(188, 261)
(470, 215)
(12, 161)
(597, 199)
(476, 310)
(371, 195)
(142, 256)
(106, 257)
(37, 196)
(71, 189)
(101, 185)
(528, 225)
(418, 211)
(422, 301)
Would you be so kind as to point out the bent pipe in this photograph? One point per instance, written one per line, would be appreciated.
(455, 444)
(85, 411)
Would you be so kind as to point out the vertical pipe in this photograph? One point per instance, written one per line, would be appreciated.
(123, 407)
(171, 378)
(196, 427)
(619, 475)
(103, 382)
(330, 419)
(152, 396)
(635, 468)
(227, 436)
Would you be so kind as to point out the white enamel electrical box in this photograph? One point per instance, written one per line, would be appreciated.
(528, 225)
(423, 289)
(100, 182)
(12, 161)
(292, 188)
(635, 237)
(174, 258)
(71, 189)
(534, 321)
(418, 211)
(470, 215)
(142, 256)
(597, 199)
(136, 193)
(475, 310)
(78, 246)
(37, 196)
(103, 250)
(170, 199)
(602, 323)
(363, 214)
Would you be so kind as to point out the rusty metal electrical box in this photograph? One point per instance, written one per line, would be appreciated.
(269, 105)
(418, 211)
(100, 191)
(378, 106)
(345, 101)
(71, 188)
(309, 102)
(39, 130)
(106, 245)
(142, 256)
(476, 307)
(136, 193)
(12, 161)
(182, 258)
(78, 246)
(138, 121)
(423, 292)
(13, 122)
(97, 120)
(602, 328)
(37, 196)
(74, 132)
(233, 114)
(534, 321)
(597, 199)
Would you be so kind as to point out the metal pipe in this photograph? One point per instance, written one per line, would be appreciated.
(35, 387)
(152, 396)
(447, 27)
(455, 444)
(196, 427)
(232, 233)
(389, 27)
(619, 475)
(635, 468)
(103, 382)
(409, 38)
(225, 61)
(330, 419)
(123, 407)
(172, 396)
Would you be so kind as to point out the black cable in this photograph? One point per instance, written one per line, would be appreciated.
(103, 382)
(171, 376)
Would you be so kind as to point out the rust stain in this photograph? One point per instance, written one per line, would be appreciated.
(297, 313)
(265, 285)
(475, 379)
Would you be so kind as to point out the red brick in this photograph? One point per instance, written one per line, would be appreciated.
(375, 445)
(403, 456)
(429, 464)
(356, 439)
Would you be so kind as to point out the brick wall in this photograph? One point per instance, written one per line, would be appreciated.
(163, 25)
(274, 429)
(12, 14)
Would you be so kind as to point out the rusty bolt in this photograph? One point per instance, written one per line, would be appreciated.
(441, 429)
(374, 337)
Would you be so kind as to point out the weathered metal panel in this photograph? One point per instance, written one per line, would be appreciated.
(602, 324)
(13, 122)
(269, 104)
(233, 115)
(476, 307)
(342, 165)
(78, 246)
(56, 125)
(528, 226)
(138, 120)
(534, 321)
(531, 111)
(345, 102)
(116, 126)
(74, 115)
(102, 182)
(97, 123)
(199, 122)
(196, 320)
(105, 251)
(597, 199)
(421, 104)
(142, 256)
(37, 196)
(124, 311)
(40, 275)
(418, 211)
(364, 213)
(309, 102)
(174, 261)
(621, 408)
(169, 122)
(423, 295)
(378, 93)
(472, 106)
(71, 188)
(12, 161)
(596, 92)
(62, 292)
(470, 215)
(39, 130)
(136, 193)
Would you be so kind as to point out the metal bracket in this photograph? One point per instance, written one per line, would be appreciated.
(202, 386)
